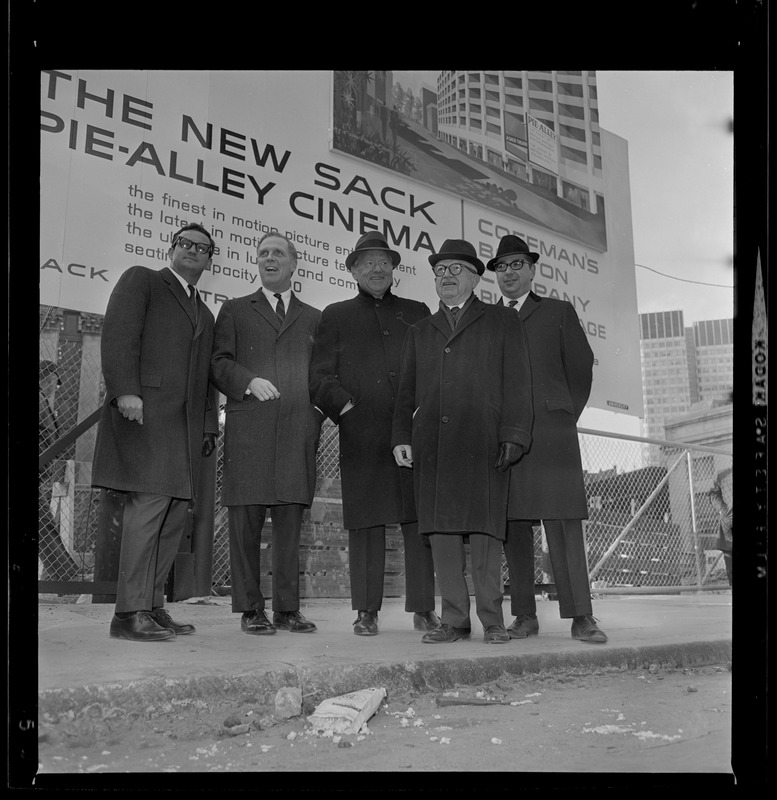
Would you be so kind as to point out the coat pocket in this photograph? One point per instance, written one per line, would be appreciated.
(559, 404)
(151, 380)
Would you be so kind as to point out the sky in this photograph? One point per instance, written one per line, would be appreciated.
(681, 171)
(681, 174)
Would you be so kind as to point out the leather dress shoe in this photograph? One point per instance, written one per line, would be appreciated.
(292, 621)
(164, 619)
(426, 621)
(446, 633)
(366, 623)
(495, 634)
(256, 622)
(524, 626)
(585, 629)
(140, 627)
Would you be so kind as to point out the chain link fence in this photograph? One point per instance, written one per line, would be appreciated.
(650, 526)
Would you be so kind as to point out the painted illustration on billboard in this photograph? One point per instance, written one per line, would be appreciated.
(128, 157)
(471, 134)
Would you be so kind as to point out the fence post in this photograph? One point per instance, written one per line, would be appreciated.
(205, 527)
(107, 547)
(694, 531)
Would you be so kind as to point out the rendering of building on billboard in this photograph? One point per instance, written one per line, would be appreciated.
(542, 127)
(128, 157)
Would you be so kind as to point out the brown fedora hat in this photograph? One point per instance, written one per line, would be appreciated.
(512, 246)
(372, 240)
(458, 248)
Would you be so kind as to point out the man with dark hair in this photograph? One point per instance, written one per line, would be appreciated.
(547, 483)
(260, 362)
(463, 416)
(354, 376)
(158, 420)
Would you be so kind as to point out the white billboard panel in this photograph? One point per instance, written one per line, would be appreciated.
(128, 157)
(543, 149)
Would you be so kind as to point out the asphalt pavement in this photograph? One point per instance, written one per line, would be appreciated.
(82, 671)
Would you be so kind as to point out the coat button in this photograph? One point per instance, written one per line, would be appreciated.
(445, 419)
(447, 349)
(385, 333)
(393, 374)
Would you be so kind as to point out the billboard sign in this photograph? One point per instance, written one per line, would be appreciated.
(543, 150)
(128, 157)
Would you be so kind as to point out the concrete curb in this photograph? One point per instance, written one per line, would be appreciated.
(158, 696)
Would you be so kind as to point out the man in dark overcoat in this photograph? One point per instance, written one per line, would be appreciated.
(354, 376)
(260, 362)
(158, 420)
(547, 483)
(463, 415)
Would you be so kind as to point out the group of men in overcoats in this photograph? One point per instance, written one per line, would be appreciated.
(458, 425)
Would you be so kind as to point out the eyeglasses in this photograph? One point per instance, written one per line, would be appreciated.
(516, 265)
(454, 269)
(383, 264)
(200, 247)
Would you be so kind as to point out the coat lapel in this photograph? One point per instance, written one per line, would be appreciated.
(530, 305)
(261, 305)
(293, 311)
(174, 285)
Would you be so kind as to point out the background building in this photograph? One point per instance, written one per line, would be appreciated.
(683, 368)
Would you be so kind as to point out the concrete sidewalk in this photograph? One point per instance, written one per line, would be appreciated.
(81, 670)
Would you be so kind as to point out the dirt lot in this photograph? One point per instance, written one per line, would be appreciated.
(611, 720)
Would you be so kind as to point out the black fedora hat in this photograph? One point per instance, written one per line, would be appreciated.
(512, 246)
(458, 248)
(372, 240)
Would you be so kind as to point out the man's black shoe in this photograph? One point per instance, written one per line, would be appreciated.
(256, 622)
(524, 626)
(139, 627)
(366, 624)
(426, 621)
(164, 619)
(446, 633)
(292, 621)
(495, 634)
(585, 629)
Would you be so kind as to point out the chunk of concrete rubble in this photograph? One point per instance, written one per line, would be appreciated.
(288, 702)
(346, 713)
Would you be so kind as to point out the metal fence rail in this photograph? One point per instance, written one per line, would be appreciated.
(650, 526)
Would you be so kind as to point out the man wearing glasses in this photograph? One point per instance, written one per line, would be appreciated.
(158, 420)
(547, 483)
(463, 416)
(354, 374)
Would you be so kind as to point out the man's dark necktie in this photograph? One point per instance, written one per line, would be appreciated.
(512, 303)
(455, 314)
(280, 309)
(193, 298)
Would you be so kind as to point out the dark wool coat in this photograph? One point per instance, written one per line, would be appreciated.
(269, 446)
(461, 393)
(151, 348)
(547, 483)
(356, 357)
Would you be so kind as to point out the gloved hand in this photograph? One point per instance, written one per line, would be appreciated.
(208, 444)
(509, 454)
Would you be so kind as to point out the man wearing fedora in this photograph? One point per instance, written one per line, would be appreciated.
(463, 416)
(547, 483)
(354, 374)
